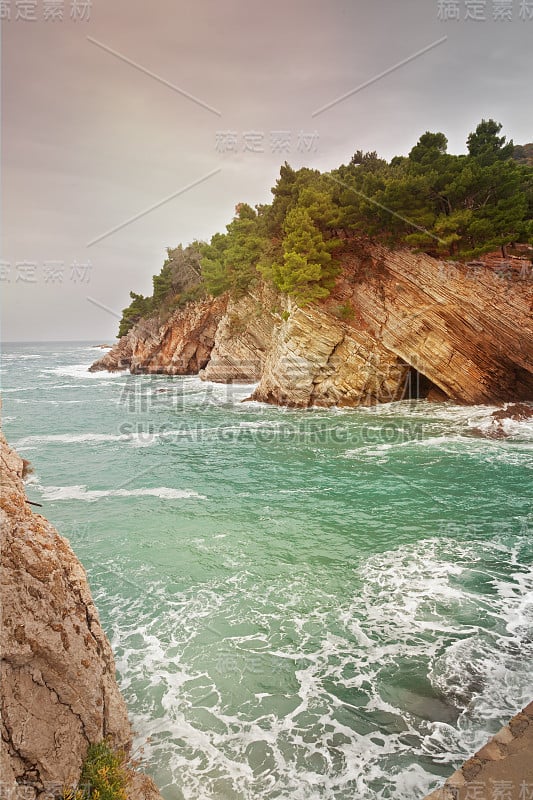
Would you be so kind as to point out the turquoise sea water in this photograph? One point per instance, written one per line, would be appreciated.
(302, 604)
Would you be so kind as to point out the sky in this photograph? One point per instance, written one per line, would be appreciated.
(129, 127)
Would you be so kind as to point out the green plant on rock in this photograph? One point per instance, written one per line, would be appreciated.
(229, 262)
(104, 775)
(431, 200)
(344, 312)
(139, 308)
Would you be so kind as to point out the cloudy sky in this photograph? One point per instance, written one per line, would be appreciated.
(144, 125)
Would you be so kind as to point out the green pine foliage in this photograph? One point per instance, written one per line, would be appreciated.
(307, 269)
(139, 308)
(447, 205)
(179, 281)
(444, 204)
(229, 262)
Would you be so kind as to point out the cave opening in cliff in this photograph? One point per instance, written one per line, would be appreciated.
(418, 386)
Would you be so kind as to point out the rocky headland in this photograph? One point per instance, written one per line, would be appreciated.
(398, 324)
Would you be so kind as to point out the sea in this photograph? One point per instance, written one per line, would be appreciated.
(306, 604)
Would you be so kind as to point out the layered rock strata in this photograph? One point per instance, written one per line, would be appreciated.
(394, 319)
(181, 345)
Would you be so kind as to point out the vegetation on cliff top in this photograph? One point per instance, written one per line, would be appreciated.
(457, 206)
(179, 281)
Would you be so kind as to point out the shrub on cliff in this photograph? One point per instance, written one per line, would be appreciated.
(445, 204)
(104, 775)
(139, 308)
(179, 278)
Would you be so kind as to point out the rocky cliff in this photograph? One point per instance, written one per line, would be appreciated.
(59, 691)
(181, 345)
(397, 324)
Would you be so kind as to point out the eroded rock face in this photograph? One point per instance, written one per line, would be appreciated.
(504, 761)
(244, 337)
(318, 360)
(59, 691)
(118, 358)
(467, 331)
(180, 346)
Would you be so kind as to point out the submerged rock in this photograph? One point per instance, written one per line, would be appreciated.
(500, 426)
(516, 411)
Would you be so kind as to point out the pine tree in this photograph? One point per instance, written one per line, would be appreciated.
(485, 144)
(307, 271)
(230, 261)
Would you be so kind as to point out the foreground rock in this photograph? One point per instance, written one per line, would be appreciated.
(59, 691)
(503, 768)
(398, 324)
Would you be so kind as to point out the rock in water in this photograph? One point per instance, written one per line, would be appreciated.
(500, 423)
(180, 346)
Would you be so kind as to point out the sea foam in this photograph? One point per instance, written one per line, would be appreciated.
(90, 495)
